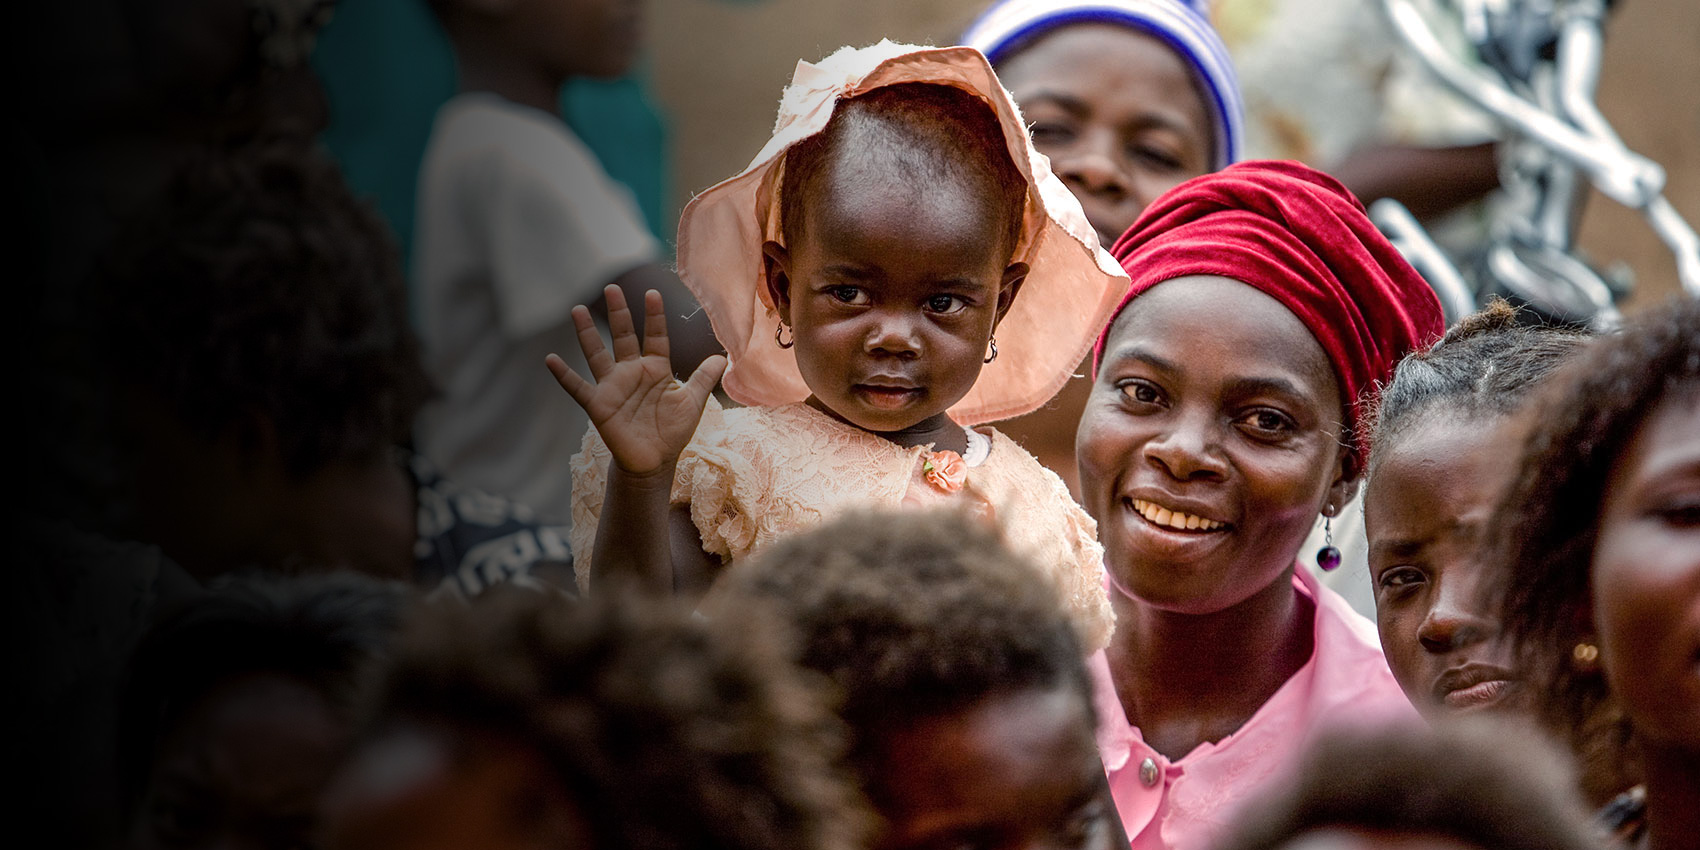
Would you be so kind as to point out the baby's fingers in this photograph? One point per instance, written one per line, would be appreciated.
(577, 387)
(590, 342)
(655, 341)
(707, 375)
(621, 328)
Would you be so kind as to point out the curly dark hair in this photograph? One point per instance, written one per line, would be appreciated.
(258, 285)
(671, 732)
(1488, 784)
(325, 630)
(1546, 522)
(1484, 368)
(914, 615)
(926, 132)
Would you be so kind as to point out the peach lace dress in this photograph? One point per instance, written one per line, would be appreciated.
(754, 474)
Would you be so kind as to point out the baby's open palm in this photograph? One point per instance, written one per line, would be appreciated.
(644, 416)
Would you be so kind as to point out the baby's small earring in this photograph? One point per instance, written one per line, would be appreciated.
(779, 336)
(994, 353)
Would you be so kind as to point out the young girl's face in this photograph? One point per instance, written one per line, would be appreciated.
(1210, 442)
(1646, 576)
(1425, 506)
(1117, 112)
(1016, 771)
(892, 294)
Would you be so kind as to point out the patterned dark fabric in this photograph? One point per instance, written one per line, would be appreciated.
(469, 540)
(1624, 819)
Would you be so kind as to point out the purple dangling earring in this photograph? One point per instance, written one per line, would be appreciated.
(1328, 557)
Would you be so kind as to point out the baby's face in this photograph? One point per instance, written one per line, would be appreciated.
(892, 294)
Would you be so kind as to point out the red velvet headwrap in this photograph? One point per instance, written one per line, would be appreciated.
(1299, 236)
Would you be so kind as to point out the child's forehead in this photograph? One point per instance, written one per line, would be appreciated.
(859, 183)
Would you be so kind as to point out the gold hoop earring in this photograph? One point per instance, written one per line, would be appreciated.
(994, 355)
(779, 334)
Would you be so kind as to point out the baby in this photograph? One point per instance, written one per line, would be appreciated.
(863, 274)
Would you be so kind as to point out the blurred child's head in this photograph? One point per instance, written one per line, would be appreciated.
(1128, 98)
(530, 720)
(239, 707)
(1441, 433)
(556, 39)
(1470, 785)
(899, 222)
(255, 318)
(1599, 535)
(959, 675)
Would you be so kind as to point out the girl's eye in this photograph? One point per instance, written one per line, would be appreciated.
(1399, 578)
(848, 294)
(1265, 422)
(1141, 392)
(946, 304)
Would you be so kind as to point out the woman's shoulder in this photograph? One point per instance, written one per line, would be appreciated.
(1349, 673)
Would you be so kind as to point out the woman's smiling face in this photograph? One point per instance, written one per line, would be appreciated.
(1212, 439)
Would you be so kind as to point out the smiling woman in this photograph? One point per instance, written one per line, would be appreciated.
(1223, 418)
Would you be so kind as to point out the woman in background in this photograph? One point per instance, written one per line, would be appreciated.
(1128, 99)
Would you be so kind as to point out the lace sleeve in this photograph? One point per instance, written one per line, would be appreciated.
(1040, 517)
(589, 469)
(1082, 580)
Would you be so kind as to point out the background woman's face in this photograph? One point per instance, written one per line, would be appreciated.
(1211, 440)
(1119, 114)
(1646, 575)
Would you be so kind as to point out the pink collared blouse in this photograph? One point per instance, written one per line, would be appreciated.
(1187, 804)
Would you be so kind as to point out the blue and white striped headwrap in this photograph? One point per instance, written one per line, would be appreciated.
(1011, 25)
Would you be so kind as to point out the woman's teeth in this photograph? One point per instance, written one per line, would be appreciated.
(1174, 519)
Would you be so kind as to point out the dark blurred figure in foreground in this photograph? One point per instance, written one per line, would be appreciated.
(959, 674)
(255, 329)
(1469, 785)
(122, 94)
(239, 707)
(525, 720)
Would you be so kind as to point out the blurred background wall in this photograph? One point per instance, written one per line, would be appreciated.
(717, 67)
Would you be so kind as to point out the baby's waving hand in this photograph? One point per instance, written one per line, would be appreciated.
(644, 416)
